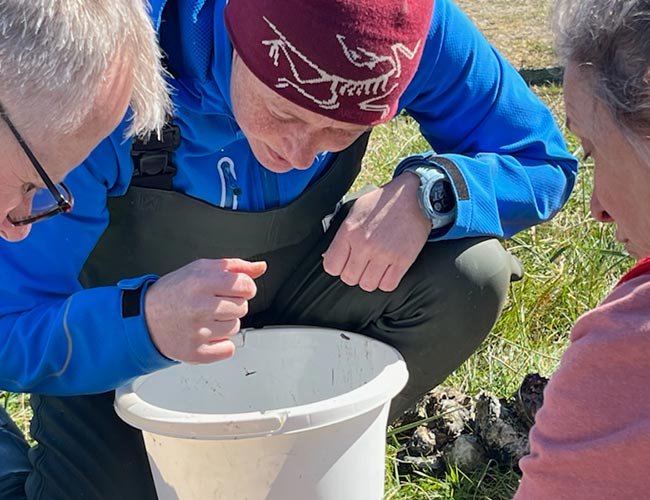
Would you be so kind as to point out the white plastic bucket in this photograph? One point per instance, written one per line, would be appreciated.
(297, 414)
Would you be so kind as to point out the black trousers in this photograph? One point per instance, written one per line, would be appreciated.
(441, 312)
(14, 463)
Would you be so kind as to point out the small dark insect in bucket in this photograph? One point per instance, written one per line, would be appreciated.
(344, 336)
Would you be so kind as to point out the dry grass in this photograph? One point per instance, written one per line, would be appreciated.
(519, 29)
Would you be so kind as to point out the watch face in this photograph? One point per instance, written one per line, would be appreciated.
(442, 197)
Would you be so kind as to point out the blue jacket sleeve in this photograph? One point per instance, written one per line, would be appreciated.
(55, 337)
(497, 142)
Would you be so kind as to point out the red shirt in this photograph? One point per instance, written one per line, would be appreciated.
(591, 439)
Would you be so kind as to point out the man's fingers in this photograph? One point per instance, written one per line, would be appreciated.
(235, 278)
(215, 351)
(372, 276)
(232, 285)
(336, 256)
(251, 269)
(198, 305)
(354, 269)
(218, 330)
(230, 308)
(391, 278)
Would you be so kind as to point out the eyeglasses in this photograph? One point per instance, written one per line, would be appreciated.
(45, 202)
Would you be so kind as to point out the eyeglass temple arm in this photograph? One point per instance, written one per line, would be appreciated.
(37, 165)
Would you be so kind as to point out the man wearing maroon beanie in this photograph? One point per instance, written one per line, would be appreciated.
(233, 219)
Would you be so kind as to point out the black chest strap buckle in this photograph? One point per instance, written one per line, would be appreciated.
(153, 164)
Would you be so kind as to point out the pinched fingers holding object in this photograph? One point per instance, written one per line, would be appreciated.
(193, 312)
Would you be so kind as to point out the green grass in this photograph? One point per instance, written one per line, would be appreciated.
(484, 484)
(17, 405)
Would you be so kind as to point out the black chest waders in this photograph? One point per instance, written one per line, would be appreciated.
(157, 231)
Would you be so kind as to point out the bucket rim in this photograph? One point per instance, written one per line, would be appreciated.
(374, 394)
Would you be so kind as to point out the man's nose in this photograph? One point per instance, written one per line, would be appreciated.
(597, 210)
(10, 232)
(301, 149)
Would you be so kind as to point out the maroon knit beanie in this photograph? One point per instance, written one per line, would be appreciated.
(349, 60)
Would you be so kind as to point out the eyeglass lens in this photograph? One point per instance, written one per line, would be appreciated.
(40, 204)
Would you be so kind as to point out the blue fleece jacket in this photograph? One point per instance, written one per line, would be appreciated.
(497, 141)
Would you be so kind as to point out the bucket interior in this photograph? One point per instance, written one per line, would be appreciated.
(275, 368)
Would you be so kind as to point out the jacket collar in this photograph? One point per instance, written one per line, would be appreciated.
(157, 6)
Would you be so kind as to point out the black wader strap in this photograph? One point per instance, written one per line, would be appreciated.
(153, 165)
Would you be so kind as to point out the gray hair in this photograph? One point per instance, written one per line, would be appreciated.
(54, 56)
(612, 39)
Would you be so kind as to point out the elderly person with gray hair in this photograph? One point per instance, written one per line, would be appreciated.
(591, 439)
(69, 70)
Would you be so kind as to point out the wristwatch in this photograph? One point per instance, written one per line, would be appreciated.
(435, 195)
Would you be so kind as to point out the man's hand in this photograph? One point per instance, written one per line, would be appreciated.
(191, 313)
(380, 238)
